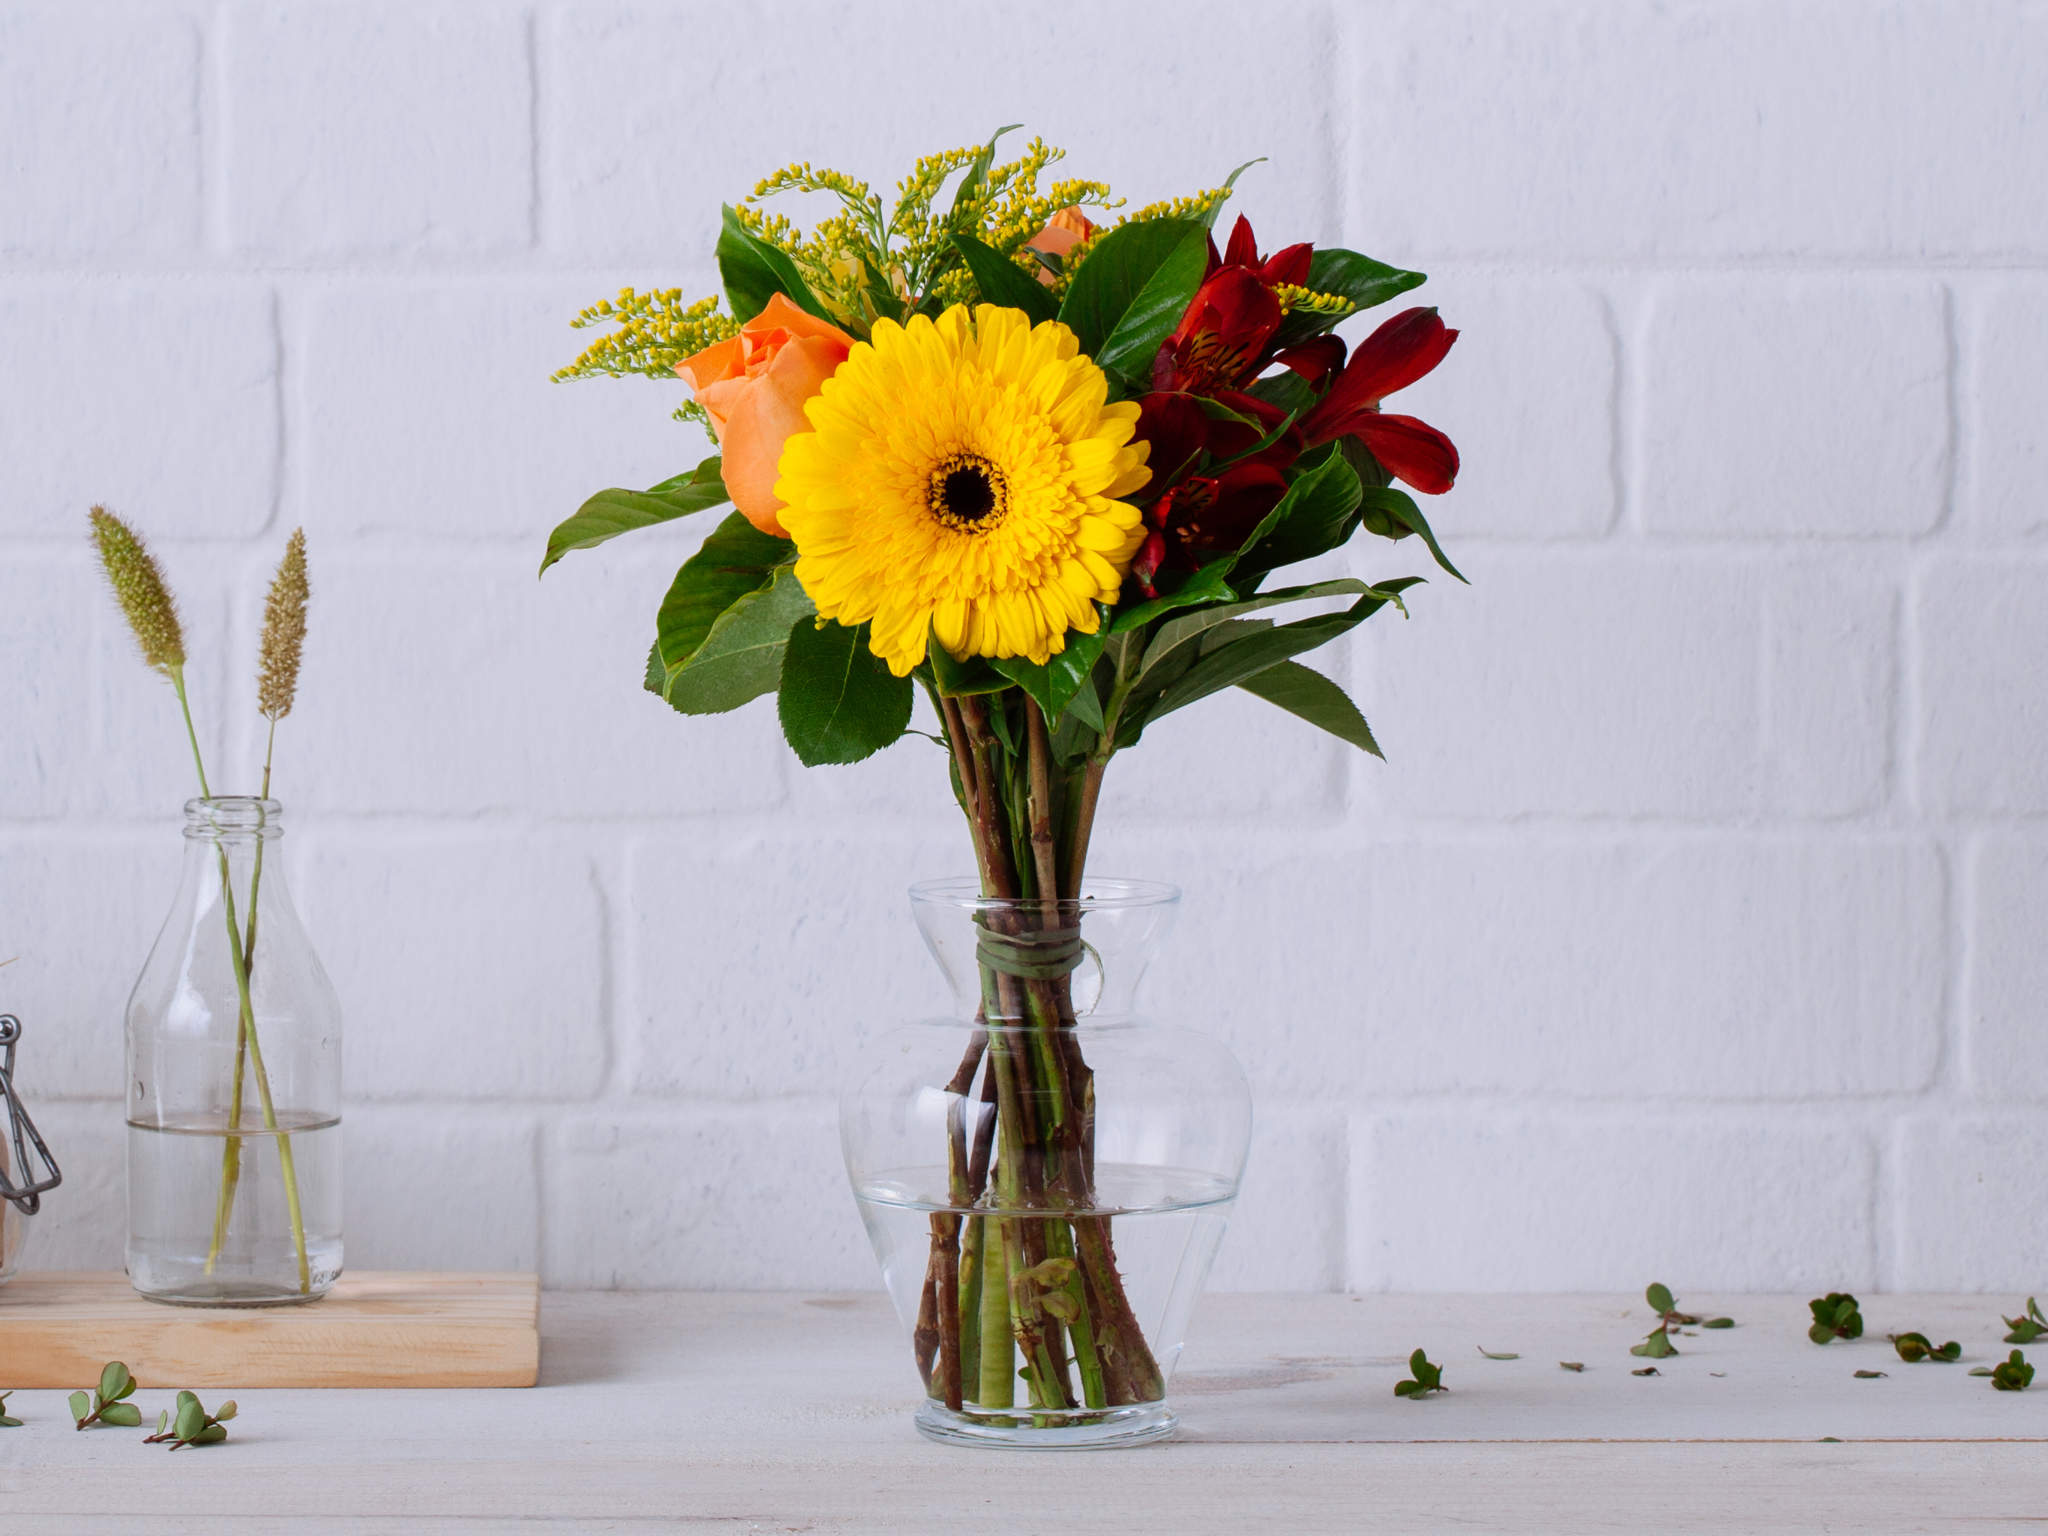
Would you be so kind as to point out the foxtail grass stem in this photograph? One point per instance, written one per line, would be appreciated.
(245, 1032)
(231, 1148)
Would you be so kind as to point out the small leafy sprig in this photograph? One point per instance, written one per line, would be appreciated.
(6, 1422)
(107, 1404)
(2011, 1374)
(191, 1424)
(1914, 1347)
(1835, 1316)
(1427, 1378)
(1669, 1319)
(2028, 1326)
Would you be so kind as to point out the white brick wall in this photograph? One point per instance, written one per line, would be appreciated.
(1695, 928)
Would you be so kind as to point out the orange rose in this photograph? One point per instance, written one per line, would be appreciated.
(1063, 231)
(754, 387)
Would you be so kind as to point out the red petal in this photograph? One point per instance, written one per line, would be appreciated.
(1314, 360)
(1391, 358)
(1177, 428)
(1290, 265)
(1243, 250)
(1409, 450)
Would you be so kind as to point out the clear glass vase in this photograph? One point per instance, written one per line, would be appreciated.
(1046, 1177)
(234, 1082)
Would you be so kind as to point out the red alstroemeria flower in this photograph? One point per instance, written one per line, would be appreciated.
(1206, 513)
(1224, 340)
(1391, 358)
(1197, 515)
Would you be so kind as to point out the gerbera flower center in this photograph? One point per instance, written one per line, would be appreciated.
(967, 492)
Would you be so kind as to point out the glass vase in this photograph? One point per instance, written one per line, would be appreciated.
(1046, 1176)
(234, 1081)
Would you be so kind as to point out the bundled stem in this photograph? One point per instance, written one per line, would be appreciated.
(1003, 1286)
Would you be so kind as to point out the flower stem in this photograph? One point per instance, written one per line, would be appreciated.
(231, 1148)
(246, 1028)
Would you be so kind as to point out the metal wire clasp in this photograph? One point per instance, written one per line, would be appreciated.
(22, 1134)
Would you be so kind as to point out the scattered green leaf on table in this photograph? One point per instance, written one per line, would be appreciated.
(1656, 1347)
(1492, 1356)
(1980, 1370)
(1914, 1347)
(1427, 1378)
(1868, 1375)
(2028, 1326)
(104, 1404)
(190, 1424)
(2012, 1374)
(1834, 1317)
(1719, 1322)
(5, 1421)
(1648, 1370)
(1571, 1365)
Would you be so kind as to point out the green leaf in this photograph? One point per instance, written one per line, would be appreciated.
(1207, 585)
(977, 172)
(1660, 1299)
(81, 1406)
(1315, 516)
(1003, 282)
(1315, 698)
(7, 1423)
(839, 702)
(1648, 1370)
(1393, 514)
(1492, 1356)
(190, 1418)
(1117, 270)
(1820, 1333)
(611, 513)
(956, 679)
(754, 271)
(121, 1415)
(1185, 632)
(1719, 1322)
(226, 1411)
(1255, 653)
(736, 560)
(1406, 1388)
(1571, 1365)
(1230, 185)
(213, 1434)
(1869, 1375)
(1657, 1346)
(1062, 679)
(115, 1382)
(1130, 347)
(1980, 1370)
(742, 657)
(1358, 278)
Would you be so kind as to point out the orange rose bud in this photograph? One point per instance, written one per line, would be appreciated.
(753, 387)
(1063, 231)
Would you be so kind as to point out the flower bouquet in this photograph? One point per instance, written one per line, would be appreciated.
(1039, 461)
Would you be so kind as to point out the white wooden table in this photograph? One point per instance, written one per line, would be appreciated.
(791, 1413)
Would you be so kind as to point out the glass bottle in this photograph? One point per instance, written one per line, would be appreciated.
(234, 1081)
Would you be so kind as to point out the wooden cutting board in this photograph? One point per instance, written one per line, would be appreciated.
(374, 1329)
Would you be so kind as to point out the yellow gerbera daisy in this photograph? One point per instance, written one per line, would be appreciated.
(961, 479)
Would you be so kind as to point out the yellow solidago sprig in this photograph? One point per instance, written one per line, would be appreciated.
(653, 332)
(962, 479)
